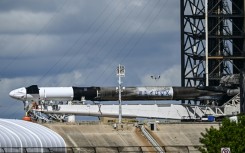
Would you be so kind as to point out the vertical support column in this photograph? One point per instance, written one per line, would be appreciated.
(182, 45)
(238, 9)
(206, 44)
(242, 91)
(242, 73)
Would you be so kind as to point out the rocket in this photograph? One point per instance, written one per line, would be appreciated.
(36, 94)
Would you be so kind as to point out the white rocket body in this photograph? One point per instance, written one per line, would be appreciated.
(35, 93)
(45, 94)
(56, 93)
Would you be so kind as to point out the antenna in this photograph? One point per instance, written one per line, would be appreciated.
(120, 73)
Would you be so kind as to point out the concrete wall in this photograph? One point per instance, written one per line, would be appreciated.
(185, 135)
(100, 135)
(178, 134)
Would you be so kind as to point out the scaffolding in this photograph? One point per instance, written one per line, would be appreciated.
(225, 49)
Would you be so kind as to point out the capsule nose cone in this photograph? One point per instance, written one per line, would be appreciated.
(11, 94)
(14, 94)
(18, 94)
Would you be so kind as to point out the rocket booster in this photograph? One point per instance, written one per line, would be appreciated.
(35, 93)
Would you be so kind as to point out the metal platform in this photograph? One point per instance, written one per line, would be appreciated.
(160, 111)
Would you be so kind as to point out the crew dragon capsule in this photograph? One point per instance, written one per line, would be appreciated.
(35, 93)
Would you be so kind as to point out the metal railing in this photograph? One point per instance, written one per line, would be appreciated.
(102, 149)
(152, 140)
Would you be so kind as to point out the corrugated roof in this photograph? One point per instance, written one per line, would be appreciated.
(19, 133)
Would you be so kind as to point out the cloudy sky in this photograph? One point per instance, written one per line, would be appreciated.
(81, 42)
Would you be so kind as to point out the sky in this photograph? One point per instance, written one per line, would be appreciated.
(81, 43)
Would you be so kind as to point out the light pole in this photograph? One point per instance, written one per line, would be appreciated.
(156, 78)
(120, 73)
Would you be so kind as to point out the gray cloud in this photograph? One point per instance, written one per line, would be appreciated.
(81, 42)
(30, 5)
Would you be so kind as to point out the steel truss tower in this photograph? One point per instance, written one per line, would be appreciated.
(225, 41)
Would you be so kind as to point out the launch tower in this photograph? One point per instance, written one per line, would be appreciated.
(225, 53)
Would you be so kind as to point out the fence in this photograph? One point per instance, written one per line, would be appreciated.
(101, 149)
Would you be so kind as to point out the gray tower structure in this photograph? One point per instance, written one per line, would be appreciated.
(225, 53)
